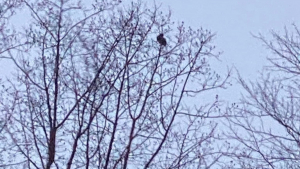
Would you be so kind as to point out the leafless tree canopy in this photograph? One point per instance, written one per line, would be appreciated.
(94, 89)
(267, 120)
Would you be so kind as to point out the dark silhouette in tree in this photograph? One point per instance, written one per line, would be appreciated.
(93, 92)
(162, 41)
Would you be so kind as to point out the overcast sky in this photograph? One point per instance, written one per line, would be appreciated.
(234, 21)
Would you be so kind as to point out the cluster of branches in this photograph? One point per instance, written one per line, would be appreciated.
(7, 35)
(93, 89)
(267, 120)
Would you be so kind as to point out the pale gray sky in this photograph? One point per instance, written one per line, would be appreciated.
(234, 21)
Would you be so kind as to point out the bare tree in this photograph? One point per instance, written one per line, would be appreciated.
(7, 42)
(267, 120)
(94, 89)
